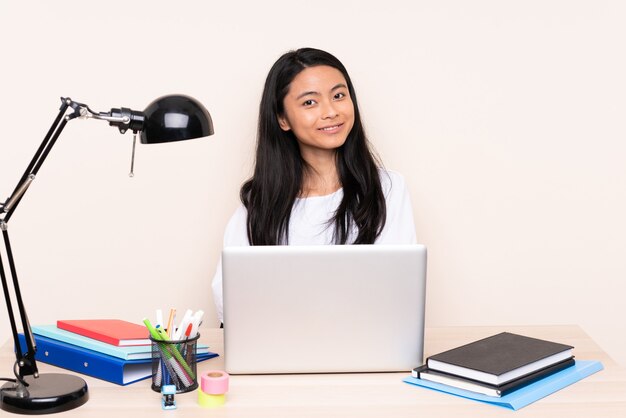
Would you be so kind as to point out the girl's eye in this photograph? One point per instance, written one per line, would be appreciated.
(309, 102)
(339, 96)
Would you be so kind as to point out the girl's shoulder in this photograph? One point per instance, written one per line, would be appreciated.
(236, 228)
(391, 180)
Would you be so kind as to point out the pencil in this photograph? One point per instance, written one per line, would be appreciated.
(170, 323)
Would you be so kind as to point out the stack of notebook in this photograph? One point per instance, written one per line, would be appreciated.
(113, 350)
(502, 368)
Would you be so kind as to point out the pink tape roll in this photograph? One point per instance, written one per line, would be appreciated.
(214, 382)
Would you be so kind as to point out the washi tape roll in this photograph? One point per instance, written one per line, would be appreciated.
(214, 382)
(210, 401)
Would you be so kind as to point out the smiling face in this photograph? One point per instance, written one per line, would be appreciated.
(318, 110)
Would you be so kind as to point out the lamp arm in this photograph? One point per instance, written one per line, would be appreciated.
(25, 359)
(123, 119)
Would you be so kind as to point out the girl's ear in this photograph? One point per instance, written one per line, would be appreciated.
(283, 123)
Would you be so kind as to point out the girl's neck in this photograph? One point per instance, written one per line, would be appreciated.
(320, 177)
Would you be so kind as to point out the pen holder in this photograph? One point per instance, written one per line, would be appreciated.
(174, 363)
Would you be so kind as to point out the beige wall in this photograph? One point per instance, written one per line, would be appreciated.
(506, 117)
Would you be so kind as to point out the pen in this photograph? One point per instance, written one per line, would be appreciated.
(183, 325)
(188, 330)
(159, 374)
(153, 332)
(159, 318)
(195, 323)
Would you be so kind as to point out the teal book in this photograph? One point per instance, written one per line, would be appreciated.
(138, 352)
(525, 395)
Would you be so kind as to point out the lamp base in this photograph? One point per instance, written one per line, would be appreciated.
(49, 393)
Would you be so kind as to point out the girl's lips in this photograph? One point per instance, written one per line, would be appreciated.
(331, 128)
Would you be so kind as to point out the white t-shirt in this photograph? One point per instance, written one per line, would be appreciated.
(309, 223)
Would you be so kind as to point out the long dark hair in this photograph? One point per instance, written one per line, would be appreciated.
(279, 169)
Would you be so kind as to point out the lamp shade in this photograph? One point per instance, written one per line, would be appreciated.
(175, 118)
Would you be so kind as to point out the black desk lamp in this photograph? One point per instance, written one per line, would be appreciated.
(167, 119)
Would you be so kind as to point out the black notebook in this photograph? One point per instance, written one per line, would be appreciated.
(425, 373)
(500, 358)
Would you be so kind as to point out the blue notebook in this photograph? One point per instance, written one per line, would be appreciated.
(525, 395)
(93, 363)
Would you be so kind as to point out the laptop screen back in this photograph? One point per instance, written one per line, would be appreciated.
(314, 309)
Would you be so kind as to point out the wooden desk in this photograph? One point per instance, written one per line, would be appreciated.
(361, 395)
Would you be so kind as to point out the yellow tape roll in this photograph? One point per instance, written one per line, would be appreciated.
(210, 401)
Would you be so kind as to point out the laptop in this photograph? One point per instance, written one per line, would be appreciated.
(323, 309)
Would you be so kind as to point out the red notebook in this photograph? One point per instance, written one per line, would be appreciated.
(111, 331)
